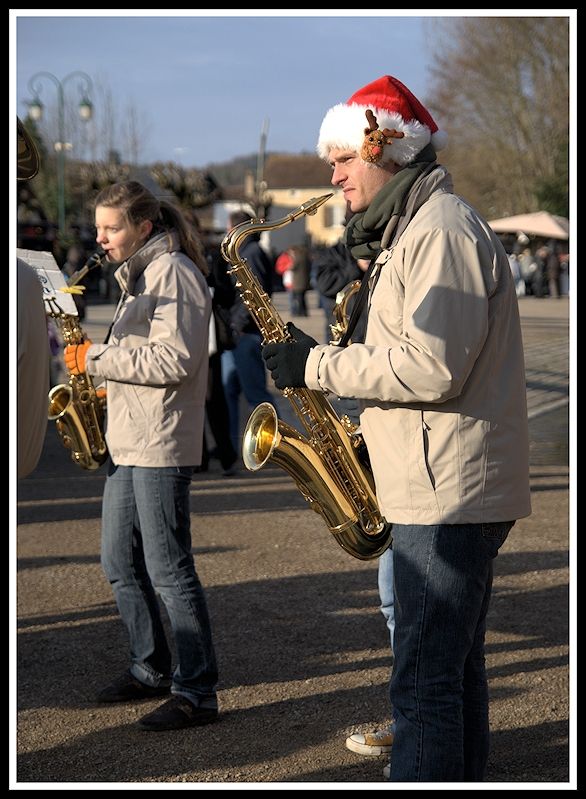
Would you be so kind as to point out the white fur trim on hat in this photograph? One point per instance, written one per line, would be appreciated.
(344, 125)
(439, 139)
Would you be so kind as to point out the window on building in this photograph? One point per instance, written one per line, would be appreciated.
(334, 215)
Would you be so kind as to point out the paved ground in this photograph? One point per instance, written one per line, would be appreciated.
(302, 649)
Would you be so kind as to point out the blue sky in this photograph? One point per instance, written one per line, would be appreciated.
(203, 86)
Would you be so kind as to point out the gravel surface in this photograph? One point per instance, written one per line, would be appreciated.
(302, 648)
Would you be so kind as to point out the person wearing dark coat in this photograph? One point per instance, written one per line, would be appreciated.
(333, 269)
(301, 279)
(223, 297)
(243, 369)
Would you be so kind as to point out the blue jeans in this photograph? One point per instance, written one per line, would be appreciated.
(386, 590)
(146, 550)
(243, 370)
(439, 689)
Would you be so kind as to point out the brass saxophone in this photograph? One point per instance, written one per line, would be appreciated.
(74, 406)
(340, 310)
(325, 464)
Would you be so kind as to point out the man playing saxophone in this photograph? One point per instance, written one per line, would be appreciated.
(155, 365)
(440, 377)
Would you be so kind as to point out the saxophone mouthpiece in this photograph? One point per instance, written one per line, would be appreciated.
(311, 206)
(94, 260)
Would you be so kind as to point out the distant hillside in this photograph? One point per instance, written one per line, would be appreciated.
(231, 173)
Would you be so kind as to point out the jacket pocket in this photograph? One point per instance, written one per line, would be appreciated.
(494, 535)
(135, 407)
(424, 463)
(421, 477)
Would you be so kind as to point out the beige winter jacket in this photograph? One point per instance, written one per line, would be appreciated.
(156, 359)
(33, 368)
(441, 373)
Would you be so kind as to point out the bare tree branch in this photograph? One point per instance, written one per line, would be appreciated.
(500, 87)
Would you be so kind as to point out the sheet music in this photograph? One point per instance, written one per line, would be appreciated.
(51, 278)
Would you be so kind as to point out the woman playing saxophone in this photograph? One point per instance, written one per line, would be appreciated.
(155, 365)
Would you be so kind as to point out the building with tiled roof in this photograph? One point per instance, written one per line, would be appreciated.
(288, 182)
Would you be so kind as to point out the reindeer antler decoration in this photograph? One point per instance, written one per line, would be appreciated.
(375, 139)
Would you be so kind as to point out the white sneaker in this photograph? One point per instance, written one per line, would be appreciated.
(387, 772)
(374, 743)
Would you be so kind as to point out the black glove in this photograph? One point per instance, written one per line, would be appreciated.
(286, 361)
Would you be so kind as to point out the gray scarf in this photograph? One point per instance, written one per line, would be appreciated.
(394, 206)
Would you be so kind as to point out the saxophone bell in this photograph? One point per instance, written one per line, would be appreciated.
(71, 419)
(268, 438)
(75, 408)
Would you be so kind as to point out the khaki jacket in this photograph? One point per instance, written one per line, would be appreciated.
(33, 368)
(441, 373)
(156, 360)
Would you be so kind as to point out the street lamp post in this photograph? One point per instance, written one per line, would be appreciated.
(85, 113)
(261, 197)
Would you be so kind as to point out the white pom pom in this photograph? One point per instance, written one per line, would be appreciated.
(439, 140)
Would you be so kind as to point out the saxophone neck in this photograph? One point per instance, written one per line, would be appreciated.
(236, 237)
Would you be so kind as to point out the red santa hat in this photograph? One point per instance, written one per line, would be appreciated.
(406, 126)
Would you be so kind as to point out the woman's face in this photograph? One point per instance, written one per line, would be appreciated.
(118, 238)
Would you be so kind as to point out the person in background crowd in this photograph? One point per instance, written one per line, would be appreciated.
(539, 280)
(223, 296)
(300, 268)
(242, 367)
(528, 268)
(334, 268)
(553, 271)
(515, 265)
(565, 273)
(55, 354)
(441, 380)
(283, 268)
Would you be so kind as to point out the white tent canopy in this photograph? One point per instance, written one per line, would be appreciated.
(541, 223)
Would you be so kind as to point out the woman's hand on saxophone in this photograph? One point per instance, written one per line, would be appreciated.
(75, 355)
(286, 360)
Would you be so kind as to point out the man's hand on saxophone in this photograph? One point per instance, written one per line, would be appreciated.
(75, 355)
(286, 360)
